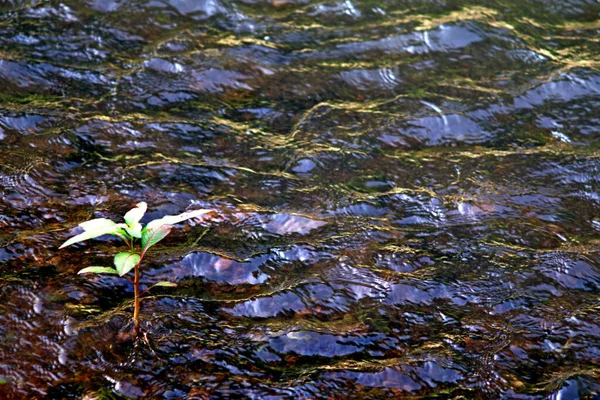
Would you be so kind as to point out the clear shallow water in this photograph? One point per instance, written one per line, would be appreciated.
(408, 194)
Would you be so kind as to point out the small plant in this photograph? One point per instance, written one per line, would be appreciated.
(131, 231)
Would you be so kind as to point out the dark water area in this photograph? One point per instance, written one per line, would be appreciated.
(408, 198)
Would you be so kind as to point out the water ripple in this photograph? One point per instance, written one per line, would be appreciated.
(406, 196)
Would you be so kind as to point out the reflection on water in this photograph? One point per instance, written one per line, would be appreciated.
(408, 196)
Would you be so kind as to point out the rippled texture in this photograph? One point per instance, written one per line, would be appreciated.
(408, 193)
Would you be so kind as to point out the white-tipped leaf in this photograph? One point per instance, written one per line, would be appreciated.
(98, 224)
(158, 229)
(152, 236)
(135, 231)
(125, 261)
(90, 234)
(134, 215)
(175, 219)
(92, 229)
(99, 270)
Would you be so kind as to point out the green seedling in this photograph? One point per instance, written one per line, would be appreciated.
(131, 232)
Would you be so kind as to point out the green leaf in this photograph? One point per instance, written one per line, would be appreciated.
(134, 215)
(125, 261)
(135, 231)
(174, 219)
(152, 236)
(98, 224)
(158, 229)
(98, 270)
(90, 234)
(92, 229)
(163, 283)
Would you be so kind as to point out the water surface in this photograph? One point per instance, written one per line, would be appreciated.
(408, 194)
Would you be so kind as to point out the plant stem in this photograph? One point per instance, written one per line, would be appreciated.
(136, 291)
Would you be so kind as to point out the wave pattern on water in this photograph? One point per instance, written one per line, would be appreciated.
(408, 197)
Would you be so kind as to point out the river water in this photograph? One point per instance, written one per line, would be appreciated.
(407, 194)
